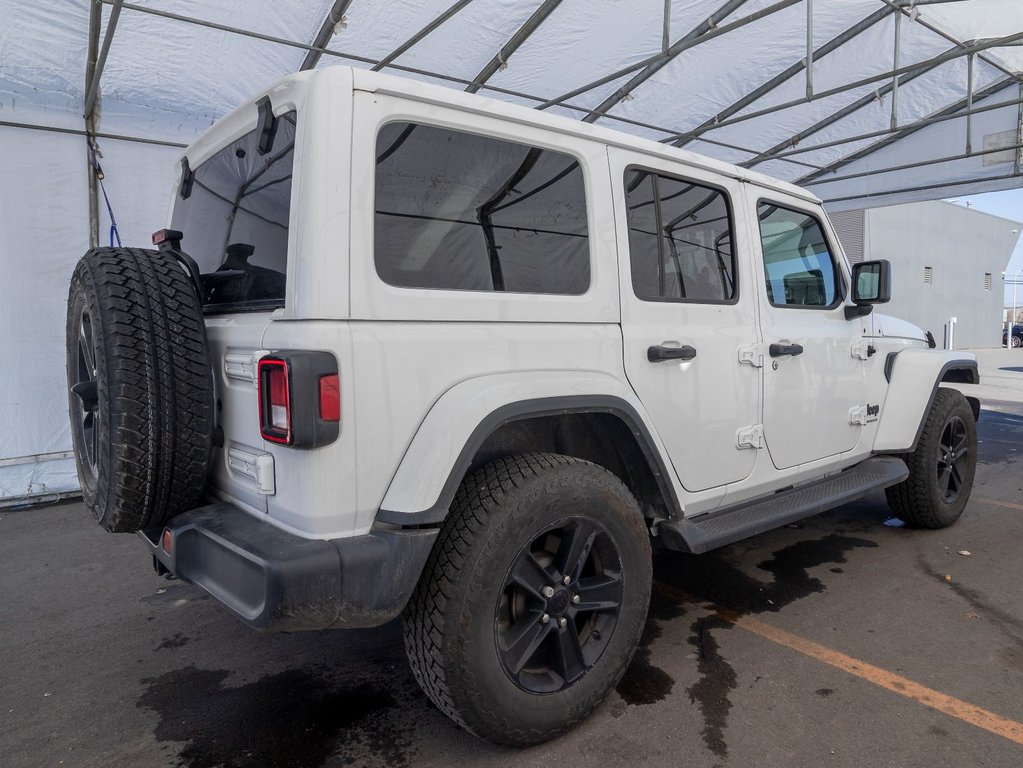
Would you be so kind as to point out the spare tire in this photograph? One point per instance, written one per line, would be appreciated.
(139, 387)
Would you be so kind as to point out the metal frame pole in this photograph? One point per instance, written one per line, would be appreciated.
(337, 12)
(521, 34)
(95, 20)
(809, 49)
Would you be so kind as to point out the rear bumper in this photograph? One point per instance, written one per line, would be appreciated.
(274, 580)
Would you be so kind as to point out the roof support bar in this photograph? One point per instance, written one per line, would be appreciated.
(921, 188)
(809, 49)
(96, 72)
(969, 103)
(1019, 130)
(836, 42)
(956, 53)
(894, 122)
(521, 34)
(337, 12)
(444, 16)
(95, 21)
(860, 103)
(649, 70)
(666, 27)
(787, 155)
(716, 32)
(917, 164)
(951, 109)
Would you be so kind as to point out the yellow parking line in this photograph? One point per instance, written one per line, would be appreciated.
(949, 705)
(997, 503)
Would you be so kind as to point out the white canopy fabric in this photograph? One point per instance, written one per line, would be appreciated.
(902, 100)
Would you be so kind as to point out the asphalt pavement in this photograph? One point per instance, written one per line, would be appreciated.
(847, 640)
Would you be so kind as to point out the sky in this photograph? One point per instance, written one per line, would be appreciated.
(1009, 205)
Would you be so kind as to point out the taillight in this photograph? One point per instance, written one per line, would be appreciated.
(274, 400)
(299, 398)
(330, 398)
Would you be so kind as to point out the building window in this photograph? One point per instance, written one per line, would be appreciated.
(928, 275)
(987, 281)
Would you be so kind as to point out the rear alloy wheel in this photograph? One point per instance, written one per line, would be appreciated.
(942, 468)
(533, 600)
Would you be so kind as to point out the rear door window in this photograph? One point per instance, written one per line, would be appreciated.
(460, 211)
(235, 221)
(680, 239)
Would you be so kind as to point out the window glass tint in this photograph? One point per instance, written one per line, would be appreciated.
(235, 221)
(680, 239)
(797, 261)
(458, 211)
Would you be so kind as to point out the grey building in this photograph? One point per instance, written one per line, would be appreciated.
(947, 261)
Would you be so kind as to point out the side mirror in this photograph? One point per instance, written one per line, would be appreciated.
(872, 282)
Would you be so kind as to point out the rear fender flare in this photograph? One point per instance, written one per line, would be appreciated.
(446, 442)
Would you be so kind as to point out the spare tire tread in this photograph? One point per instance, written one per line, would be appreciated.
(155, 386)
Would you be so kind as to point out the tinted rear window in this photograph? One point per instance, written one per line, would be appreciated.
(458, 211)
(235, 221)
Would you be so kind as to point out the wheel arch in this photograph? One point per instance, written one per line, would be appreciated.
(605, 427)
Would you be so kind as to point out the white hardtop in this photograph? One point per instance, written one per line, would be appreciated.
(290, 91)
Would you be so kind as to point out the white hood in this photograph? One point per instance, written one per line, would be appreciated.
(892, 327)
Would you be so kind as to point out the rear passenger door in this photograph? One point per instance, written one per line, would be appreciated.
(687, 313)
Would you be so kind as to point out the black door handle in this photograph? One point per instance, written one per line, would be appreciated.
(777, 350)
(660, 353)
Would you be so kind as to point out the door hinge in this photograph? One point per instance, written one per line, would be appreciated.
(255, 466)
(751, 437)
(863, 350)
(751, 355)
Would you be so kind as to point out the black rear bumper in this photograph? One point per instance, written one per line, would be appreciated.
(275, 580)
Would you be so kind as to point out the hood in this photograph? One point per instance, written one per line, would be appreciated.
(892, 327)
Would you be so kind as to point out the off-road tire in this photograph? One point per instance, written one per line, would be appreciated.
(148, 455)
(449, 624)
(920, 500)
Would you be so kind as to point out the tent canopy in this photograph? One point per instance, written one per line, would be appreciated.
(866, 102)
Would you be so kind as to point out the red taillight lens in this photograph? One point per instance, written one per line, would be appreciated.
(330, 397)
(274, 400)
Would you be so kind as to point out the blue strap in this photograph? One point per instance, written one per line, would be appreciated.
(94, 159)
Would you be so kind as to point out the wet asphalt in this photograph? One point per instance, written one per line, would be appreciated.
(103, 663)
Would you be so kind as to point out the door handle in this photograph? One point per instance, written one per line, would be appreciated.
(660, 353)
(777, 350)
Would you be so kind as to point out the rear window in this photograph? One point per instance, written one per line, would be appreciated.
(235, 222)
(458, 211)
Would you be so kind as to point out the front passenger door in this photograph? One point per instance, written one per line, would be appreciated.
(812, 380)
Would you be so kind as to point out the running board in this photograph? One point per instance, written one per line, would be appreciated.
(727, 526)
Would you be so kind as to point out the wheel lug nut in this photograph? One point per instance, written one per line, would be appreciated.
(548, 591)
(545, 618)
(562, 622)
(567, 580)
(575, 598)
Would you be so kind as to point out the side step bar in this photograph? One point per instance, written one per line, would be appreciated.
(716, 529)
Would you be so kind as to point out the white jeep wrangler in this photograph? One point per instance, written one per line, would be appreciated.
(409, 351)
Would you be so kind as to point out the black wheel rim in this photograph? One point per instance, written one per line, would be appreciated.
(559, 605)
(85, 391)
(953, 451)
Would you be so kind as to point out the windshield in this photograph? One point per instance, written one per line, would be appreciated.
(235, 221)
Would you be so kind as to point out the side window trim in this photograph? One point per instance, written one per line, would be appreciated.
(726, 196)
(840, 282)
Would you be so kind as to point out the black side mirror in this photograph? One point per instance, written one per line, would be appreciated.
(872, 282)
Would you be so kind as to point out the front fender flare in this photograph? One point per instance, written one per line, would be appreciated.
(914, 376)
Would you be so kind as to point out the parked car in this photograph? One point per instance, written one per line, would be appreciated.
(1017, 336)
(406, 351)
